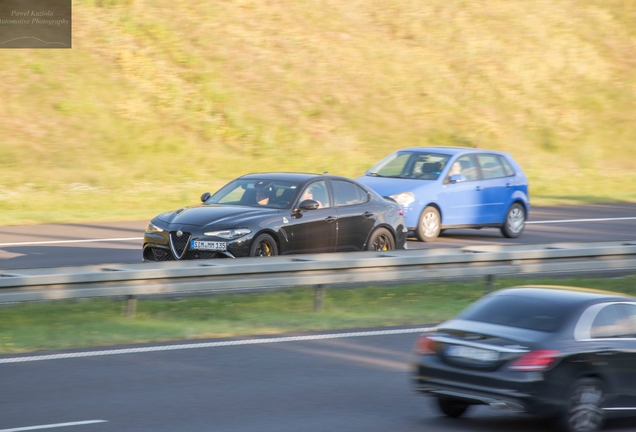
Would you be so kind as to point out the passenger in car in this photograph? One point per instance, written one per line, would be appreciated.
(262, 197)
(455, 169)
(309, 194)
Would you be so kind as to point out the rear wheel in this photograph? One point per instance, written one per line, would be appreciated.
(429, 226)
(381, 240)
(515, 221)
(452, 407)
(583, 412)
(263, 245)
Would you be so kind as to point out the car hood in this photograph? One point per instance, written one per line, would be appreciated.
(387, 186)
(206, 214)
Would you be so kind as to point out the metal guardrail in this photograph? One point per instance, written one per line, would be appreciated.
(232, 275)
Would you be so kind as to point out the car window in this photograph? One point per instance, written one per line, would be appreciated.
(614, 321)
(467, 168)
(412, 165)
(507, 168)
(347, 193)
(491, 166)
(521, 312)
(317, 191)
(255, 193)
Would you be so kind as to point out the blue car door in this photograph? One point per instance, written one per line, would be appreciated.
(496, 187)
(463, 202)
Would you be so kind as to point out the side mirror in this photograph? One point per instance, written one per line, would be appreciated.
(457, 178)
(308, 204)
(205, 196)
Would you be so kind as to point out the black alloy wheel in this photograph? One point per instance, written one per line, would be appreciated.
(381, 240)
(583, 410)
(264, 245)
(452, 407)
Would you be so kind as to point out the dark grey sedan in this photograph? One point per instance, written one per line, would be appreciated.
(560, 352)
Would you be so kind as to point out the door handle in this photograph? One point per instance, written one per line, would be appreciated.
(508, 185)
(478, 188)
(367, 215)
(331, 219)
(608, 352)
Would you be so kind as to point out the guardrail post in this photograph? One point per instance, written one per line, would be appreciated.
(131, 306)
(489, 283)
(319, 295)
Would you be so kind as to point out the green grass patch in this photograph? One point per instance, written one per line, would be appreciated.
(28, 327)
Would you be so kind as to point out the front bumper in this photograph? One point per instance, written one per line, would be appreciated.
(162, 247)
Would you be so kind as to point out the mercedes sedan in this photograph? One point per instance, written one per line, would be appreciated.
(272, 214)
(559, 352)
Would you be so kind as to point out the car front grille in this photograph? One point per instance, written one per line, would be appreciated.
(179, 244)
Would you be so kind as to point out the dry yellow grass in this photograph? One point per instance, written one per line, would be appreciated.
(161, 100)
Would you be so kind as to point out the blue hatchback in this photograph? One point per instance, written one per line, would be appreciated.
(453, 187)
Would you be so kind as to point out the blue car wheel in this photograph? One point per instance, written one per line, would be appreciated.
(515, 221)
(429, 226)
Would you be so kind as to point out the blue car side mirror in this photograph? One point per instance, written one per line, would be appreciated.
(457, 178)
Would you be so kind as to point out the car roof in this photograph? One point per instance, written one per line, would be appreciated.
(450, 150)
(564, 294)
(290, 176)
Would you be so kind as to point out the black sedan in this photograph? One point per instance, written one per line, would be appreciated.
(563, 353)
(272, 214)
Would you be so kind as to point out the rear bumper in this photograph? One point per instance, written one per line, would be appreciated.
(506, 400)
(526, 392)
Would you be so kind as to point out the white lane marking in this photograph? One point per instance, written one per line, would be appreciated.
(69, 241)
(141, 238)
(581, 220)
(51, 426)
(211, 345)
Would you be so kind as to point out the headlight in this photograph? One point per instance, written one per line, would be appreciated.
(153, 229)
(229, 234)
(404, 198)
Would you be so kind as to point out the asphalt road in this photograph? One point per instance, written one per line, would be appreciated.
(341, 384)
(120, 242)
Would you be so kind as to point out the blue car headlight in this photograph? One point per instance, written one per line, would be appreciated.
(404, 198)
(229, 234)
(153, 229)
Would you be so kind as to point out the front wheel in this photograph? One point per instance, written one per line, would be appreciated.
(452, 407)
(264, 245)
(515, 221)
(429, 225)
(583, 408)
(381, 240)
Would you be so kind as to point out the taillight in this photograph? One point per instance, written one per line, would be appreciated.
(424, 345)
(401, 212)
(535, 361)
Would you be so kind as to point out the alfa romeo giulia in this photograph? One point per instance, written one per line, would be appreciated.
(270, 214)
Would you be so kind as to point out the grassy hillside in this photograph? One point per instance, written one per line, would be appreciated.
(161, 100)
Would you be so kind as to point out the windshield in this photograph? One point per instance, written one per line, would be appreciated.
(255, 193)
(411, 164)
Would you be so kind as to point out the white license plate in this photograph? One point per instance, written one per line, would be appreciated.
(208, 245)
(472, 353)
